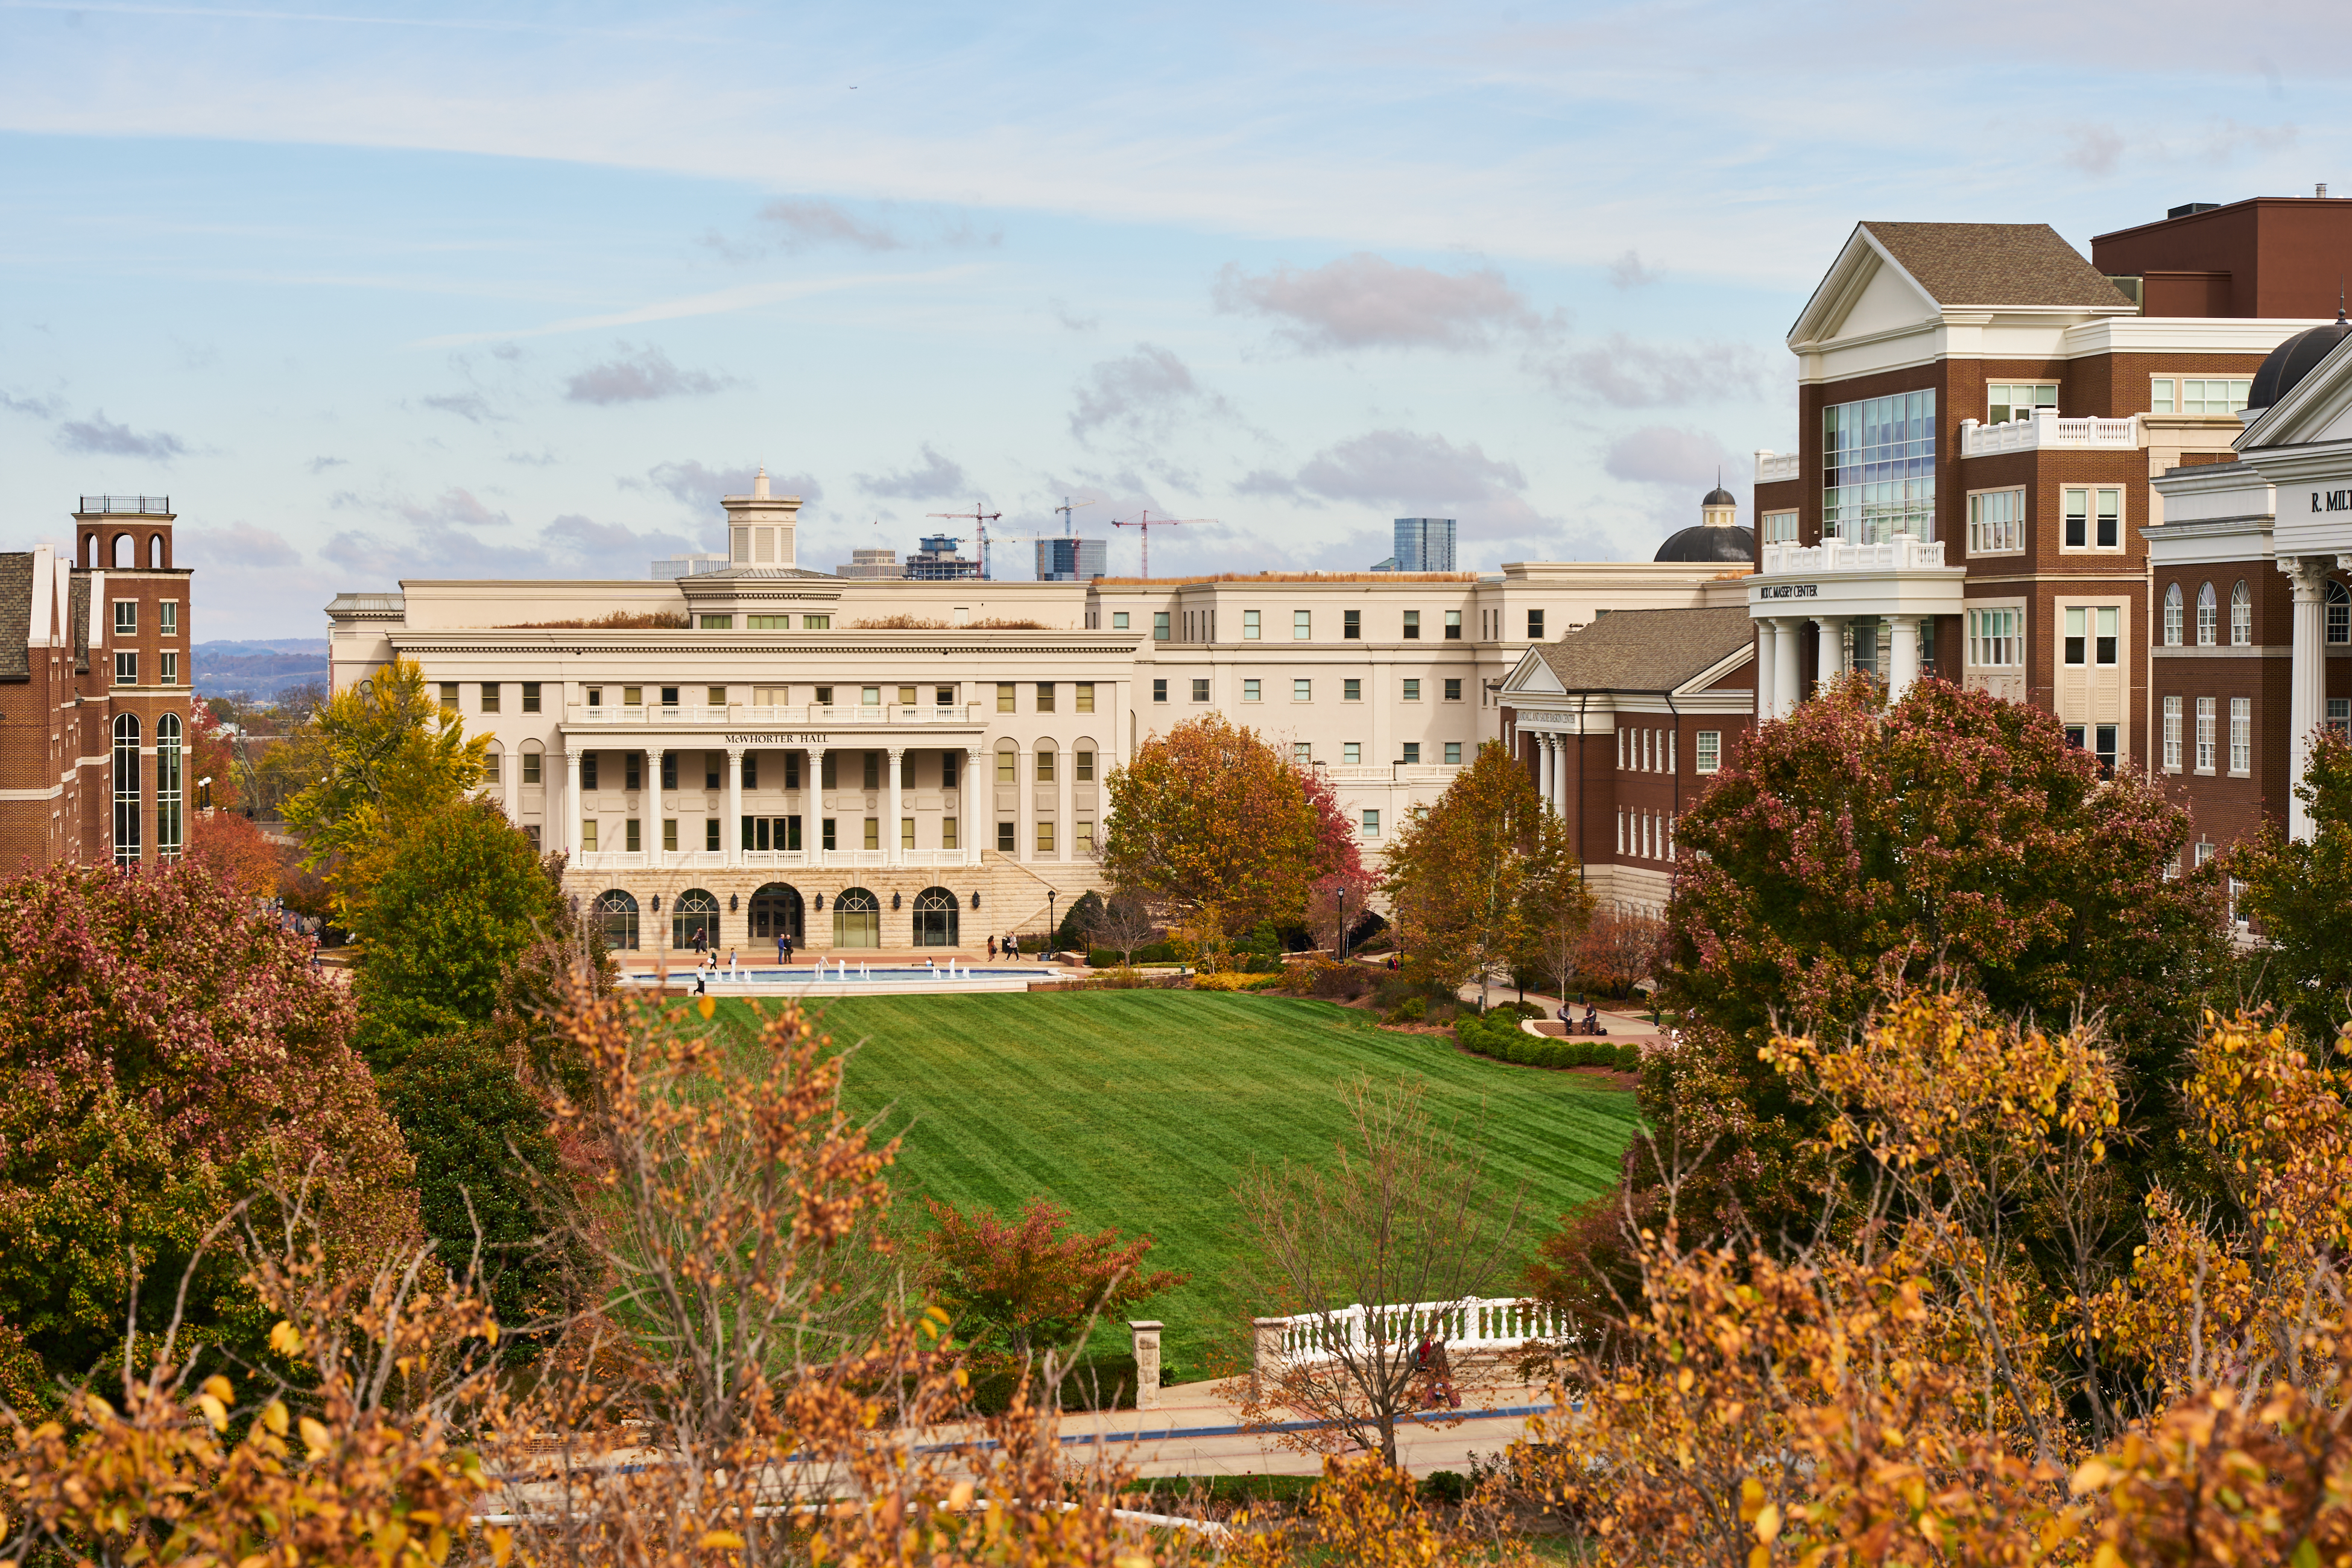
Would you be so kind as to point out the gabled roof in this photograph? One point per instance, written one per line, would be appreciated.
(1646, 650)
(2011, 265)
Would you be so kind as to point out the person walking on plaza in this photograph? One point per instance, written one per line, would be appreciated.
(991, 949)
(783, 949)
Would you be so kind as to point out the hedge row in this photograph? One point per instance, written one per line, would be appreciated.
(1233, 980)
(1498, 1035)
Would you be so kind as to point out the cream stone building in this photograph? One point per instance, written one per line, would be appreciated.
(763, 750)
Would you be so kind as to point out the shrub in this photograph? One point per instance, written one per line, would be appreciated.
(1444, 1486)
(1158, 952)
(1498, 1036)
(1341, 982)
(1231, 979)
(1412, 1010)
(1094, 1382)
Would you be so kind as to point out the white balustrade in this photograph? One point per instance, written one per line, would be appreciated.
(1472, 1323)
(1775, 466)
(2045, 431)
(836, 715)
(1901, 553)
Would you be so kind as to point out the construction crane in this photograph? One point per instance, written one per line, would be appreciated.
(979, 521)
(1145, 522)
(1069, 530)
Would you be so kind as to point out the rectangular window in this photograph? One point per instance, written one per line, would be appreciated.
(816, 623)
(1996, 522)
(1004, 841)
(945, 696)
(1249, 625)
(2093, 518)
(948, 761)
(126, 668)
(905, 697)
(870, 769)
(2172, 734)
(823, 694)
(1878, 469)
(828, 774)
(167, 672)
(1371, 825)
(1351, 691)
(490, 767)
(1535, 626)
(1160, 691)
(595, 696)
(588, 835)
(1201, 690)
(869, 696)
(2018, 400)
(588, 769)
(126, 617)
(2159, 394)
(1302, 751)
(1158, 626)
(2210, 394)
(2077, 630)
(1454, 753)
(1008, 771)
(1412, 625)
(1412, 691)
(1045, 697)
(1453, 689)
(1004, 697)
(2241, 734)
(1082, 836)
(632, 697)
(905, 833)
(1453, 625)
(448, 696)
(756, 623)
(2107, 620)
(1351, 753)
(827, 837)
(632, 769)
(1084, 698)
(710, 835)
(873, 839)
(1779, 528)
(531, 763)
(1084, 760)
(1996, 638)
(1708, 752)
(1412, 754)
(669, 770)
(720, 622)
(948, 833)
(167, 617)
(751, 771)
(1249, 692)
(1302, 625)
(1302, 691)
(530, 696)
(2208, 716)
(1044, 839)
(490, 697)
(1352, 624)
(2339, 715)
(1119, 620)
(1045, 764)
(629, 840)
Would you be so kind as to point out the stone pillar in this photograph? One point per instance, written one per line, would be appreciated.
(813, 798)
(1024, 804)
(1766, 669)
(1786, 678)
(731, 832)
(572, 803)
(2306, 679)
(652, 794)
(1266, 1348)
(892, 853)
(1562, 758)
(510, 785)
(973, 785)
(1902, 656)
(1147, 1363)
(1833, 650)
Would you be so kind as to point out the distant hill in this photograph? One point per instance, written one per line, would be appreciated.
(259, 669)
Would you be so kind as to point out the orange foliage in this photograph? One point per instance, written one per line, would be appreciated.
(233, 850)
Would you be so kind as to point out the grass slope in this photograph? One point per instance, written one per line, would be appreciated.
(1140, 1109)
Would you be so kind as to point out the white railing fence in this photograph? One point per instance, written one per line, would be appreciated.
(2044, 430)
(1901, 553)
(1477, 1322)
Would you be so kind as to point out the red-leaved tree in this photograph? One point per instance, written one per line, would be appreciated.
(1022, 1287)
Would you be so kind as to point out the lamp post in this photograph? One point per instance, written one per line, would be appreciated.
(1341, 893)
(1053, 931)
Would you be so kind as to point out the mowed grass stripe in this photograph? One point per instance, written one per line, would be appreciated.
(1140, 1109)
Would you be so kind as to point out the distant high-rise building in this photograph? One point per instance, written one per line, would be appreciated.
(940, 559)
(1072, 559)
(689, 564)
(1424, 545)
(871, 564)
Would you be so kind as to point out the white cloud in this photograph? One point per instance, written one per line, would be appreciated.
(640, 375)
(1622, 372)
(1368, 301)
(99, 435)
(2094, 148)
(1142, 396)
(934, 478)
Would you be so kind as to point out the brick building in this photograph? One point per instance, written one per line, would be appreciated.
(93, 692)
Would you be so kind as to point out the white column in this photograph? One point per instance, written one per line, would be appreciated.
(1065, 786)
(1025, 808)
(1902, 658)
(652, 794)
(571, 803)
(1833, 650)
(510, 785)
(1559, 774)
(895, 855)
(1766, 668)
(731, 832)
(812, 792)
(2306, 679)
(1543, 762)
(1786, 678)
(972, 784)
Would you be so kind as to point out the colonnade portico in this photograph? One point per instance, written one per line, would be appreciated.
(1901, 583)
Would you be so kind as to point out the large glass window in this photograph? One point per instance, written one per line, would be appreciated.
(1878, 468)
(2006, 401)
(937, 918)
(694, 913)
(1996, 638)
(2242, 615)
(619, 911)
(126, 789)
(169, 836)
(857, 918)
(1996, 522)
(1779, 528)
(2215, 394)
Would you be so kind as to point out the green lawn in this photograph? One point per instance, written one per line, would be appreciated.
(1140, 1109)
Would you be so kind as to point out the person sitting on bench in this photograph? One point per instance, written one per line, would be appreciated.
(1592, 1020)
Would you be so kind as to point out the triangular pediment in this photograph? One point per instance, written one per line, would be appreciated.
(2316, 410)
(1865, 292)
(1534, 676)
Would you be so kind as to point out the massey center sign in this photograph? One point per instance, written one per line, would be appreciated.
(1789, 591)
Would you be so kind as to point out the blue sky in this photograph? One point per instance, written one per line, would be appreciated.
(384, 292)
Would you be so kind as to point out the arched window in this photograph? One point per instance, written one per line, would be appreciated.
(126, 789)
(935, 917)
(857, 918)
(694, 913)
(155, 552)
(2242, 615)
(2209, 615)
(1045, 761)
(2339, 612)
(169, 834)
(777, 911)
(126, 552)
(619, 911)
(2172, 615)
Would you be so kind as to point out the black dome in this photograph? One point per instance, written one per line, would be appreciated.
(1733, 546)
(1720, 497)
(2291, 361)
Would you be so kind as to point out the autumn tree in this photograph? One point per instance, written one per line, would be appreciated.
(374, 758)
(232, 847)
(1123, 922)
(1213, 822)
(1021, 1287)
(1476, 877)
(212, 756)
(2299, 893)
